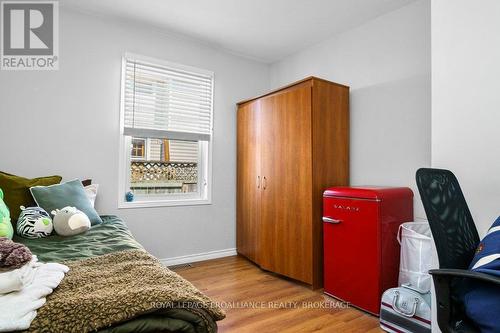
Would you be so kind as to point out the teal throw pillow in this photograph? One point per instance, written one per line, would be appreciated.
(71, 193)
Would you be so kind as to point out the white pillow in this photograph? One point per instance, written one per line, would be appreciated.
(91, 191)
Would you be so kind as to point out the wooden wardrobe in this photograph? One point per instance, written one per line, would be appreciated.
(293, 143)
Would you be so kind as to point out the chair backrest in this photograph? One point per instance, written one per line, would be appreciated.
(452, 226)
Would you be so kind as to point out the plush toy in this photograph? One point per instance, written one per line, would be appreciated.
(70, 221)
(6, 229)
(34, 222)
(13, 255)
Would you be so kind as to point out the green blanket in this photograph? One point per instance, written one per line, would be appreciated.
(112, 236)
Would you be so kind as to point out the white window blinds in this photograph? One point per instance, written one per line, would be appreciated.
(166, 101)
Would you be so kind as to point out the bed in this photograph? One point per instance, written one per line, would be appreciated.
(102, 257)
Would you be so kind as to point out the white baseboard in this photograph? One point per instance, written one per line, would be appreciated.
(198, 257)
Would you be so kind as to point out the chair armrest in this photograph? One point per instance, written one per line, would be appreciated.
(449, 273)
(443, 279)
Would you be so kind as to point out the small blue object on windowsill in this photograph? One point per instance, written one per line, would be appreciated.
(129, 196)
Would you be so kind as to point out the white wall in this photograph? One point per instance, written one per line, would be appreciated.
(67, 122)
(386, 62)
(466, 100)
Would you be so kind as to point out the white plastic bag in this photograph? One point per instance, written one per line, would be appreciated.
(417, 255)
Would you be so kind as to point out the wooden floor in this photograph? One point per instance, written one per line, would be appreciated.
(259, 302)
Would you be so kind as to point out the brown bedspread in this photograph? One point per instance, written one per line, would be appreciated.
(101, 291)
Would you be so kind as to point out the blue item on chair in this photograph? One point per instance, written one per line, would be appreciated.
(482, 300)
(487, 258)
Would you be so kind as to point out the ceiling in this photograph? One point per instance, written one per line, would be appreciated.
(265, 30)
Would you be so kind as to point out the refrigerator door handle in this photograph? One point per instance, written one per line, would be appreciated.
(330, 220)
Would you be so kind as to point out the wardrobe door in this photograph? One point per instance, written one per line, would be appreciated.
(286, 234)
(248, 180)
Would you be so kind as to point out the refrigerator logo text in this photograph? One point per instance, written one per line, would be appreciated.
(350, 208)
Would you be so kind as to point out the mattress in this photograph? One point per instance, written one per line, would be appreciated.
(112, 236)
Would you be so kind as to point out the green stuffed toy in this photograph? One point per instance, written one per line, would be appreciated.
(6, 229)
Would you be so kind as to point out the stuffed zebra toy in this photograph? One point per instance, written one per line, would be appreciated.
(34, 222)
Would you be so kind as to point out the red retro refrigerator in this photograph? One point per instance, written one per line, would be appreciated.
(361, 251)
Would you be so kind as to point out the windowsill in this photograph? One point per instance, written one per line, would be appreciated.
(163, 203)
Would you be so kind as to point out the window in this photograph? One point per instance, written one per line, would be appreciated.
(138, 149)
(166, 133)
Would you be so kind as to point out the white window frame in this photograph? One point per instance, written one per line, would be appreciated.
(204, 194)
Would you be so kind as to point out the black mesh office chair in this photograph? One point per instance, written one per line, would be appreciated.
(456, 239)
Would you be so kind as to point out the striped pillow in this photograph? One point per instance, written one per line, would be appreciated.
(481, 299)
(487, 258)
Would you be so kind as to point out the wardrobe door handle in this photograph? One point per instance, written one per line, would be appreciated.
(264, 183)
(258, 181)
